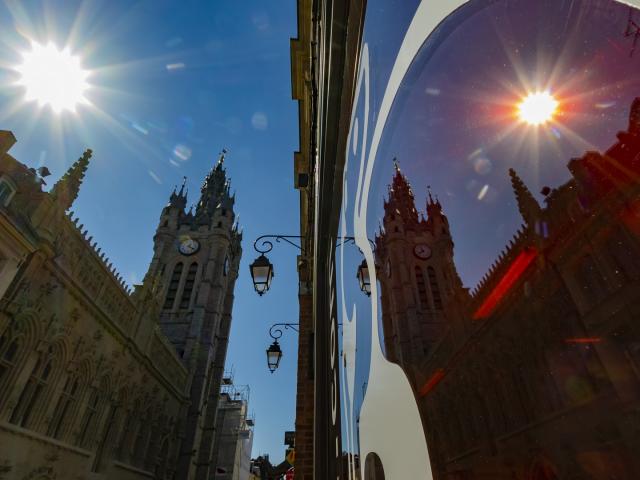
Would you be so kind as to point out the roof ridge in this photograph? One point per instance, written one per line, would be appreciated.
(98, 252)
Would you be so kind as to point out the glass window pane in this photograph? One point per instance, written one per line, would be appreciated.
(494, 164)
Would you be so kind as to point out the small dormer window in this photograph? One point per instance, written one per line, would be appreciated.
(224, 212)
(7, 191)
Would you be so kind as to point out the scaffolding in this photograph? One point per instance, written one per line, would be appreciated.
(233, 437)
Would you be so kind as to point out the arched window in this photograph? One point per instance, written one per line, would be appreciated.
(9, 347)
(173, 286)
(373, 467)
(106, 436)
(33, 390)
(128, 431)
(7, 190)
(188, 286)
(68, 398)
(435, 289)
(161, 460)
(156, 435)
(89, 418)
(422, 289)
(92, 415)
(137, 455)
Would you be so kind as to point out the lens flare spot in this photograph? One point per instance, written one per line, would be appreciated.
(259, 121)
(182, 152)
(155, 177)
(482, 165)
(537, 108)
(175, 66)
(483, 191)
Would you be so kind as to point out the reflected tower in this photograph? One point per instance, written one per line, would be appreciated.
(418, 277)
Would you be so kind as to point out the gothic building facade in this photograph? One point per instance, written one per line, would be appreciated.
(98, 380)
(535, 374)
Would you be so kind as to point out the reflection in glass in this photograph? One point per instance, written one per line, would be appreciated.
(536, 336)
(363, 278)
(507, 243)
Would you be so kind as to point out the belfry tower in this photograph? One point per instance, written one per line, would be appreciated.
(418, 277)
(196, 257)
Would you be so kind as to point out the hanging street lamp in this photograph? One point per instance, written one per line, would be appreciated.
(261, 274)
(261, 268)
(363, 278)
(274, 354)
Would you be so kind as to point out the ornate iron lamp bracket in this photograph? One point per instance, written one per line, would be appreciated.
(275, 332)
(267, 245)
(352, 240)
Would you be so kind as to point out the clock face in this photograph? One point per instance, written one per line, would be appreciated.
(422, 251)
(188, 246)
(225, 266)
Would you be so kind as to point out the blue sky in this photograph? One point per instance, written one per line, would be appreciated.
(172, 84)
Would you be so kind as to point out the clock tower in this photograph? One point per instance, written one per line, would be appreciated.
(196, 257)
(418, 277)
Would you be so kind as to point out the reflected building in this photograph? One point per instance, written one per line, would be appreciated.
(98, 380)
(418, 276)
(535, 374)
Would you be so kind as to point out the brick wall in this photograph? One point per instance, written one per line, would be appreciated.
(304, 398)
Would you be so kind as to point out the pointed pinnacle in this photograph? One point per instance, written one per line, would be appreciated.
(527, 204)
(65, 191)
(430, 197)
(184, 181)
(223, 154)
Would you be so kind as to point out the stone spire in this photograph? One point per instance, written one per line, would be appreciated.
(179, 199)
(401, 199)
(434, 207)
(215, 190)
(527, 204)
(65, 191)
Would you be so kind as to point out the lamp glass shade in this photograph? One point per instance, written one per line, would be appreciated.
(363, 278)
(261, 274)
(274, 354)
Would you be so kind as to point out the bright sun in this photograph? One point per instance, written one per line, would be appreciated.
(53, 77)
(537, 108)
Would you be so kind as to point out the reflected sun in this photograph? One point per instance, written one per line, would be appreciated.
(537, 108)
(53, 77)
